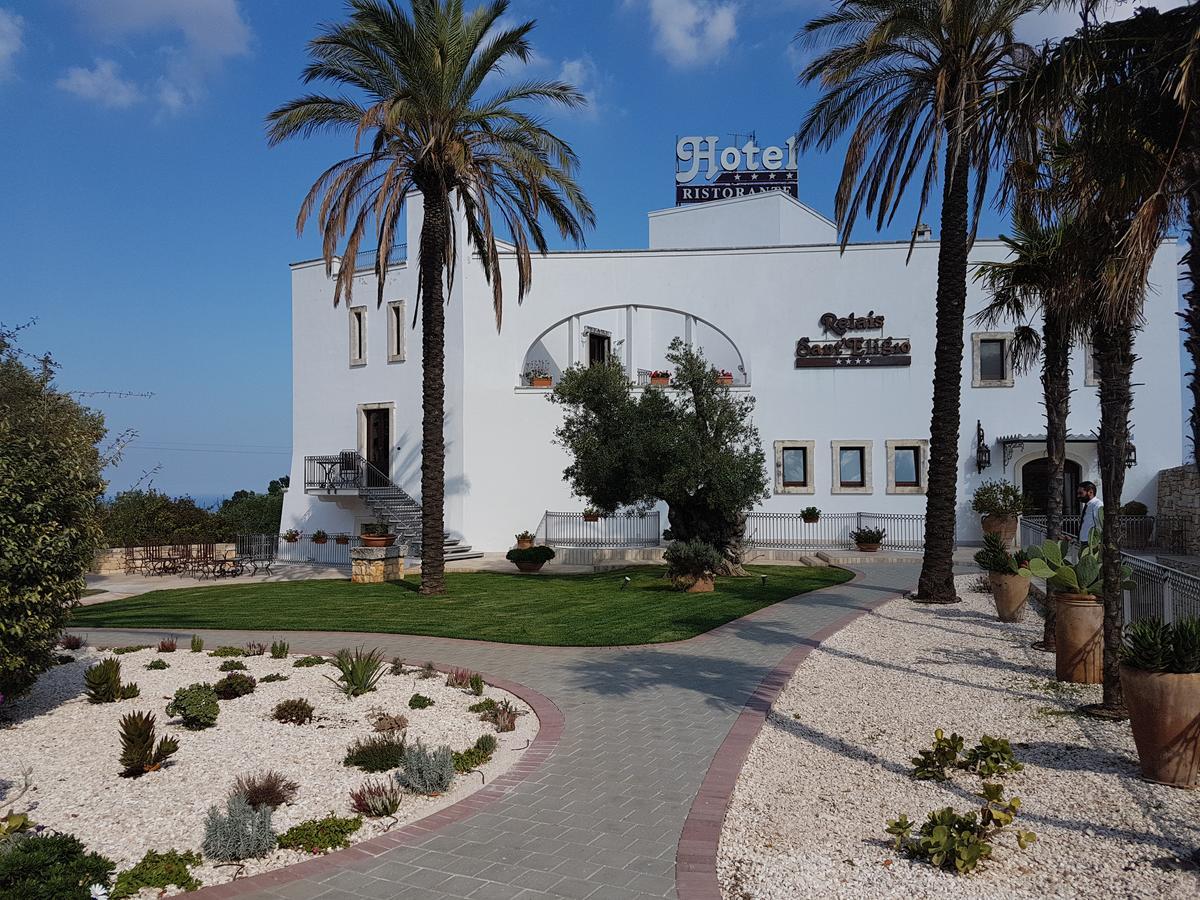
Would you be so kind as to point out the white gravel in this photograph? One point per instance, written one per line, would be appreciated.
(72, 747)
(830, 767)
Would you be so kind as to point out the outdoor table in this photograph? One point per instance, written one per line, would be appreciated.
(328, 474)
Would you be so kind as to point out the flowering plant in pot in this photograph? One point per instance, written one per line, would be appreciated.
(691, 565)
(530, 559)
(376, 535)
(1160, 674)
(868, 539)
(341, 538)
(999, 503)
(660, 377)
(724, 376)
(591, 514)
(319, 536)
(538, 374)
(525, 540)
(810, 514)
(291, 535)
(1008, 574)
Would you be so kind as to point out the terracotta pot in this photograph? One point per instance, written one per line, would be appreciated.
(341, 540)
(725, 379)
(1005, 526)
(291, 540)
(660, 382)
(378, 540)
(1079, 638)
(320, 540)
(524, 543)
(591, 517)
(1009, 592)
(703, 585)
(541, 382)
(868, 548)
(1164, 712)
(810, 520)
(529, 566)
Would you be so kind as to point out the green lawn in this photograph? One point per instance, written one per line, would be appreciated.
(557, 610)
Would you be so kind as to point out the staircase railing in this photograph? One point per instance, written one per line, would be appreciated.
(349, 470)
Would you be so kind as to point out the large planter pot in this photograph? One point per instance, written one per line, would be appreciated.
(725, 379)
(1009, 592)
(540, 382)
(1005, 526)
(660, 382)
(378, 540)
(868, 548)
(524, 543)
(1164, 711)
(1079, 638)
(529, 567)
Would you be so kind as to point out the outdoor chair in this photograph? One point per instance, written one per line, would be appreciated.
(347, 470)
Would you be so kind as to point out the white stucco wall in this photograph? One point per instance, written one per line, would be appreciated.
(756, 220)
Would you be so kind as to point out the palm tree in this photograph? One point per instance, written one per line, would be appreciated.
(913, 82)
(421, 112)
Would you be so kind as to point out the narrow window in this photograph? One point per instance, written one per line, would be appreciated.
(851, 467)
(908, 467)
(396, 334)
(795, 467)
(599, 347)
(991, 360)
(358, 336)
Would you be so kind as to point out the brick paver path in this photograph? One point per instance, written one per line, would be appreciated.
(602, 816)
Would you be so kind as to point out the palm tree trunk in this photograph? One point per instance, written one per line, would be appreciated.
(1191, 315)
(1056, 393)
(433, 393)
(1114, 351)
(936, 583)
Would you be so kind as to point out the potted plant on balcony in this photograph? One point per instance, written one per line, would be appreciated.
(660, 378)
(320, 537)
(1160, 674)
(538, 374)
(341, 538)
(376, 535)
(724, 376)
(1000, 503)
(530, 559)
(810, 514)
(1008, 575)
(525, 540)
(691, 565)
(591, 514)
(291, 535)
(1079, 613)
(868, 539)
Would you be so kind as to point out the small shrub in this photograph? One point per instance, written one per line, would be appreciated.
(232, 665)
(383, 721)
(131, 648)
(158, 870)
(868, 535)
(503, 715)
(139, 753)
(51, 866)
(293, 712)
(167, 645)
(994, 557)
(130, 690)
(103, 681)
(1155, 646)
(397, 666)
(689, 561)
(358, 671)
(317, 835)
(990, 757)
(426, 771)
(255, 648)
(378, 753)
(458, 678)
(227, 651)
(483, 706)
(475, 756)
(197, 643)
(196, 705)
(419, 701)
(476, 684)
(241, 832)
(268, 788)
(376, 798)
(234, 685)
(156, 665)
(931, 765)
(1134, 508)
(429, 670)
(272, 678)
(997, 497)
(307, 662)
(72, 642)
(279, 649)
(539, 553)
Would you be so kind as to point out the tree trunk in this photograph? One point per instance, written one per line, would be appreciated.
(1056, 389)
(1191, 315)
(936, 583)
(433, 393)
(696, 521)
(1114, 352)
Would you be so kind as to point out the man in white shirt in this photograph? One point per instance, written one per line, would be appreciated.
(1086, 494)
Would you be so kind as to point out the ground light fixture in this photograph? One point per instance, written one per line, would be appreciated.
(763, 580)
(625, 582)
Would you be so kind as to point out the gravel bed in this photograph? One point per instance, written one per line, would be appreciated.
(831, 765)
(72, 747)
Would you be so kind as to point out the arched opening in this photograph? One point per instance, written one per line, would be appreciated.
(1035, 483)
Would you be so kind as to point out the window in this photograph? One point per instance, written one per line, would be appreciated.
(396, 335)
(991, 359)
(906, 466)
(1091, 365)
(358, 336)
(851, 467)
(793, 467)
(599, 348)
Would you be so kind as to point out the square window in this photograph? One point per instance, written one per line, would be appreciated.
(851, 468)
(795, 467)
(991, 360)
(908, 467)
(793, 472)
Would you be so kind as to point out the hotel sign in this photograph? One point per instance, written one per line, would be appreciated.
(703, 173)
(848, 350)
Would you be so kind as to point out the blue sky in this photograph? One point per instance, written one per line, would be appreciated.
(148, 228)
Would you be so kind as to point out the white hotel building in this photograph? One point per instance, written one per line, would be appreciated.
(757, 281)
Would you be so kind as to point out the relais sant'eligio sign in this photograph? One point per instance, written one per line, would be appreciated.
(847, 344)
(705, 172)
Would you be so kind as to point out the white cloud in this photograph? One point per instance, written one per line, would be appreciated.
(692, 32)
(1057, 23)
(582, 73)
(12, 27)
(202, 36)
(101, 84)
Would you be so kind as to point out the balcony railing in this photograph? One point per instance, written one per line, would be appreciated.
(789, 531)
(571, 529)
(365, 260)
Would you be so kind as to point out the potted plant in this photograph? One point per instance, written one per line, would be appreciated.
(538, 374)
(591, 514)
(868, 539)
(525, 540)
(1079, 613)
(1008, 574)
(291, 535)
(530, 559)
(341, 538)
(1160, 674)
(1000, 503)
(724, 376)
(660, 378)
(691, 565)
(376, 535)
(810, 514)
(319, 536)
(1139, 525)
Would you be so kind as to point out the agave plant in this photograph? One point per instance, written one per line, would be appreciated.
(1156, 646)
(139, 754)
(358, 670)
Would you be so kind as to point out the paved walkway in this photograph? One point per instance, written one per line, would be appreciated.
(603, 815)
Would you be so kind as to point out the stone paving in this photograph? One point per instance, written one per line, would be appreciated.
(603, 815)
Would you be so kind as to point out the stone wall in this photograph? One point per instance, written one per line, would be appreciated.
(375, 565)
(1179, 499)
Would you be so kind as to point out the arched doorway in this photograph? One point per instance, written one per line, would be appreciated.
(1034, 476)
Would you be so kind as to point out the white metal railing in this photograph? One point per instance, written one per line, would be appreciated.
(831, 531)
(575, 529)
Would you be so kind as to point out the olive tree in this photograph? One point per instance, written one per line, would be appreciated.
(693, 446)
